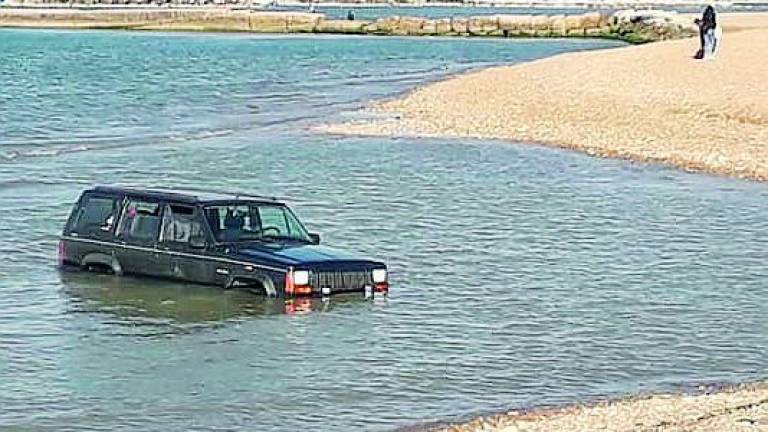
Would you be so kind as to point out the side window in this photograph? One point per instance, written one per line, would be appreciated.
(273, 218)
(232, 223)
(181, 225)
(96, 216)
(140, 221)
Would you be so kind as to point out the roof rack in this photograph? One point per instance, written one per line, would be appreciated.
(183, 189)
(236, 194)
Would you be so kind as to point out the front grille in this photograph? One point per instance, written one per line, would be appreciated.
(341, 280)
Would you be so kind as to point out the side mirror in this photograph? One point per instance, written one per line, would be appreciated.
(198, 243)
(315, 238)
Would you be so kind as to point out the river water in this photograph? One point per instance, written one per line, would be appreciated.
(521, 275)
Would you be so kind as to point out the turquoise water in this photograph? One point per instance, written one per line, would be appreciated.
(522, 276)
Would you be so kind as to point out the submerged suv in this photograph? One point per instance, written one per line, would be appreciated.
(231, 240)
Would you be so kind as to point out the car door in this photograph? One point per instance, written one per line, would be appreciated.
(138, 232)
(184, 242)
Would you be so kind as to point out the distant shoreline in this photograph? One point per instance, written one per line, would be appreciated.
(629, 26)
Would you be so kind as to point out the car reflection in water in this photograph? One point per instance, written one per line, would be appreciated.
(158, 300)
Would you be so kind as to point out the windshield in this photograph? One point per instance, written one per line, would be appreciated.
(254, 222)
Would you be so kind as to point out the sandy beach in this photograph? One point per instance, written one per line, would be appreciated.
(738, 409)
(651, 103)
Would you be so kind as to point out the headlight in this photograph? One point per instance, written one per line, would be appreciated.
(301, 277)
(379, 275)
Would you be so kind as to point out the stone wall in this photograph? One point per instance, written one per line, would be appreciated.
(493, 25)
(633, 26)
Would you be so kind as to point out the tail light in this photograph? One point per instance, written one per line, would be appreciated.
(297, 283)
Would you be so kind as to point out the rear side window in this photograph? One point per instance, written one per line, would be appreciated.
(140, 222)
(181, 224)
(96, 216)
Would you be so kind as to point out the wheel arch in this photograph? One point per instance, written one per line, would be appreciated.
(265, 282)
(102, 260)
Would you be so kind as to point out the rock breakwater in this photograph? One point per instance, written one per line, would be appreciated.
(632, 26)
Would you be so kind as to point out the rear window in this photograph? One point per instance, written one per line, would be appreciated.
(96, 216)
(140, 222)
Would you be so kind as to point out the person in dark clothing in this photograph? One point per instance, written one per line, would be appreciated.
(707, 29)
(350, 15)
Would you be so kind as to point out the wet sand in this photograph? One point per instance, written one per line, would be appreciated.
(651, 103)
(744, 408)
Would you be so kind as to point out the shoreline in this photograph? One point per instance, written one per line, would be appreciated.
(650, 103)
(712, 408)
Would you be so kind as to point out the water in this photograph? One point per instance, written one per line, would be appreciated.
(521, 275)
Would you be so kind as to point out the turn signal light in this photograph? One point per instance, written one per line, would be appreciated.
(381, 288)
(302, 290)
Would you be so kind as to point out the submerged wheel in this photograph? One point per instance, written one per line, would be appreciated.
(256, 285)
(102, 263)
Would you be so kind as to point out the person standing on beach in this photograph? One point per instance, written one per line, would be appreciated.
(709, 34)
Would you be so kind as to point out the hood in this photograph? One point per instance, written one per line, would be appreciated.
(313, 256)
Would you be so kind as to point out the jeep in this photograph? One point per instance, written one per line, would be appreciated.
(229, 239)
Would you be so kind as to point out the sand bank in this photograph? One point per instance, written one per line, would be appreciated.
(739, 409)
(647, 103)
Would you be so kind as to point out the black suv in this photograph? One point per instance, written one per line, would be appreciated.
(209, 237)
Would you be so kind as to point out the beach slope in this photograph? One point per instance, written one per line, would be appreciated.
(743, 408)
(648, 103)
